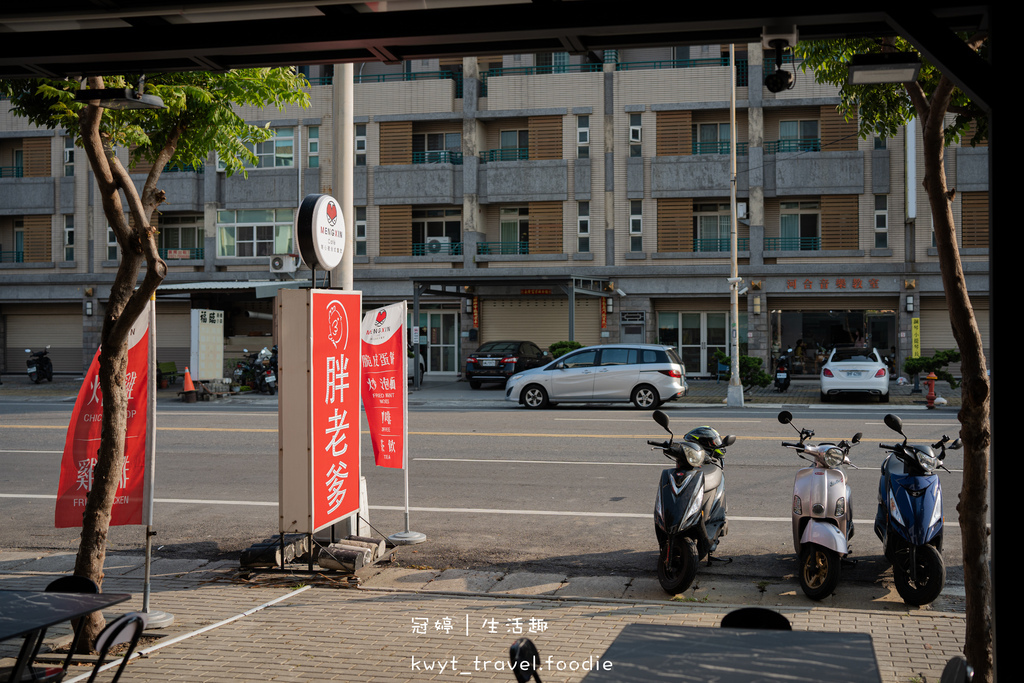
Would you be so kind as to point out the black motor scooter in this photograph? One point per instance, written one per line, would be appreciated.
(39, 365)
(689, 510)
(782, 373)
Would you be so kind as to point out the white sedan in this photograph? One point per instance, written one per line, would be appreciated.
(854, 370)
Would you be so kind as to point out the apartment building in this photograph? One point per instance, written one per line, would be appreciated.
(529, 196)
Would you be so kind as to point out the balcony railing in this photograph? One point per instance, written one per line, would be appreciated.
(718, 147)
(793, 145)
(536, 70)
(12, 256)
(188, 168)
(438, 248)
(792, 244)
(741, 66)
(169, 254)
(12, 171)
(437, 157)
(502, 248)
(720, 244)
(506, 154)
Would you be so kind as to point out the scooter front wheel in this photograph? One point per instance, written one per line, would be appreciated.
(677, 569)
(929, 579)
(819, 571)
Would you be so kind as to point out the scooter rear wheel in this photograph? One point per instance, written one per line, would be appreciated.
(678, 573)
(819, 571)
(931, 576)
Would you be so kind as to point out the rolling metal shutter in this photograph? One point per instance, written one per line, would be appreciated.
(30, 326)
(542, 321)
(174, 333)
(937, 333)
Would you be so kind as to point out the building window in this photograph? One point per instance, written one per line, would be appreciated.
(514, 145)
(635, 135)
(552, 62)
(881, 143)
(69, 156)
(583, 137)
(799, 136)
(254, 232)
(69, 237)
(360, 237)
(436, 148)
(515, 231)
(636, 225)
(111, 244)
(436, 231)
(583, 227)
(278, 151)
(360, 144)
(313, 147)
(798, 226)
(711, 138)
(711, 226)
(881, 221)
(181, 232)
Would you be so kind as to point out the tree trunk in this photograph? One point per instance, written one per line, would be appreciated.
(974, 414)
(128, 298)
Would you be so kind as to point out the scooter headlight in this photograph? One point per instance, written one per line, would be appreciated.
(833, 457)
(694, 455)
(894, 510)
(926, 459)
(840, 507)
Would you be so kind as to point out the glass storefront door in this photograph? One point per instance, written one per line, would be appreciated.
(696, 336)
(442, 341)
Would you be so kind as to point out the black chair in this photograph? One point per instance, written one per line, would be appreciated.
(124, 629)
(52, 674)
(756, 617)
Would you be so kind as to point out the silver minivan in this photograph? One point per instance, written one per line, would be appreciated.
(646, 374)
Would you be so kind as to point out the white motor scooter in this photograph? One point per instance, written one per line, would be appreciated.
(822, 511)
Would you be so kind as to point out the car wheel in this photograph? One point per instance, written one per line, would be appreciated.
(884, 398)
(474, 384)
(534, 396)
(645, 396)
(824, 397)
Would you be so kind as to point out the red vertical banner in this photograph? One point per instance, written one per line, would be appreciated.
(383, 386)
(83, 440)
(334, 382)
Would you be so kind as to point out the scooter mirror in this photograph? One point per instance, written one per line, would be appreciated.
(662, 419)
(856, 437)
(956, 445)
(894, 423)
(785, 417)
(524, 658)
(729, 440)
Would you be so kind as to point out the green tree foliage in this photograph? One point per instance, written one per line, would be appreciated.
(922, 365)
(884, 107)
(201, 109)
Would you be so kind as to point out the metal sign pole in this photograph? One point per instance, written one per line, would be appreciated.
(157, 619)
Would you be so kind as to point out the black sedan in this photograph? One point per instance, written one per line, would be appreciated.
(496, 361)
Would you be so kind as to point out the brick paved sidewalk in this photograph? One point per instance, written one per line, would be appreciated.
(328, 633)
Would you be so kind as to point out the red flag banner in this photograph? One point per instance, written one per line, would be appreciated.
(83, 440)
(383, 390)
(334, 373)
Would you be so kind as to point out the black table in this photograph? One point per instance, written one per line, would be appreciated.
(30, 613)
(646, 652)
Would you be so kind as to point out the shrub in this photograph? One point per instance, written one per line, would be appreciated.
(921, 365)
(751, 374)
(563, 347)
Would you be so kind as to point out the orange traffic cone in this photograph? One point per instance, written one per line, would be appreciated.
(188, 381)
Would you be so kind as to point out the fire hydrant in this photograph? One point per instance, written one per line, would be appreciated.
(930, 381)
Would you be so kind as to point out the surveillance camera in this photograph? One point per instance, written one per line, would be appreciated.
(779, 81)
(620, 292)
(741, 292)
(734, 280)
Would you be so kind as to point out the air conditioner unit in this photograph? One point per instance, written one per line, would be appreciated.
(635, 133)
(283, 263)
(435, 245)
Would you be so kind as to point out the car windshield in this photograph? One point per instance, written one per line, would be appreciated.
(854, 355)
(499, 347)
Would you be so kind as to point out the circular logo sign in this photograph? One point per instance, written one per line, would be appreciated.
(320, 231)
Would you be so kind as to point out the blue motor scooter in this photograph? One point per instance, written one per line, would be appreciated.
(909, 518)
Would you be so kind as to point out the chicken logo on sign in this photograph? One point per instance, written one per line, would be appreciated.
(332, 213)
(335, 324)
(382, 315)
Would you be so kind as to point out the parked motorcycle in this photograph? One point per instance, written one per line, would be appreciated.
(266, 370)
(39, 365)
(689, 510)
(822, 511)
(782, 371)
(909, 519)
